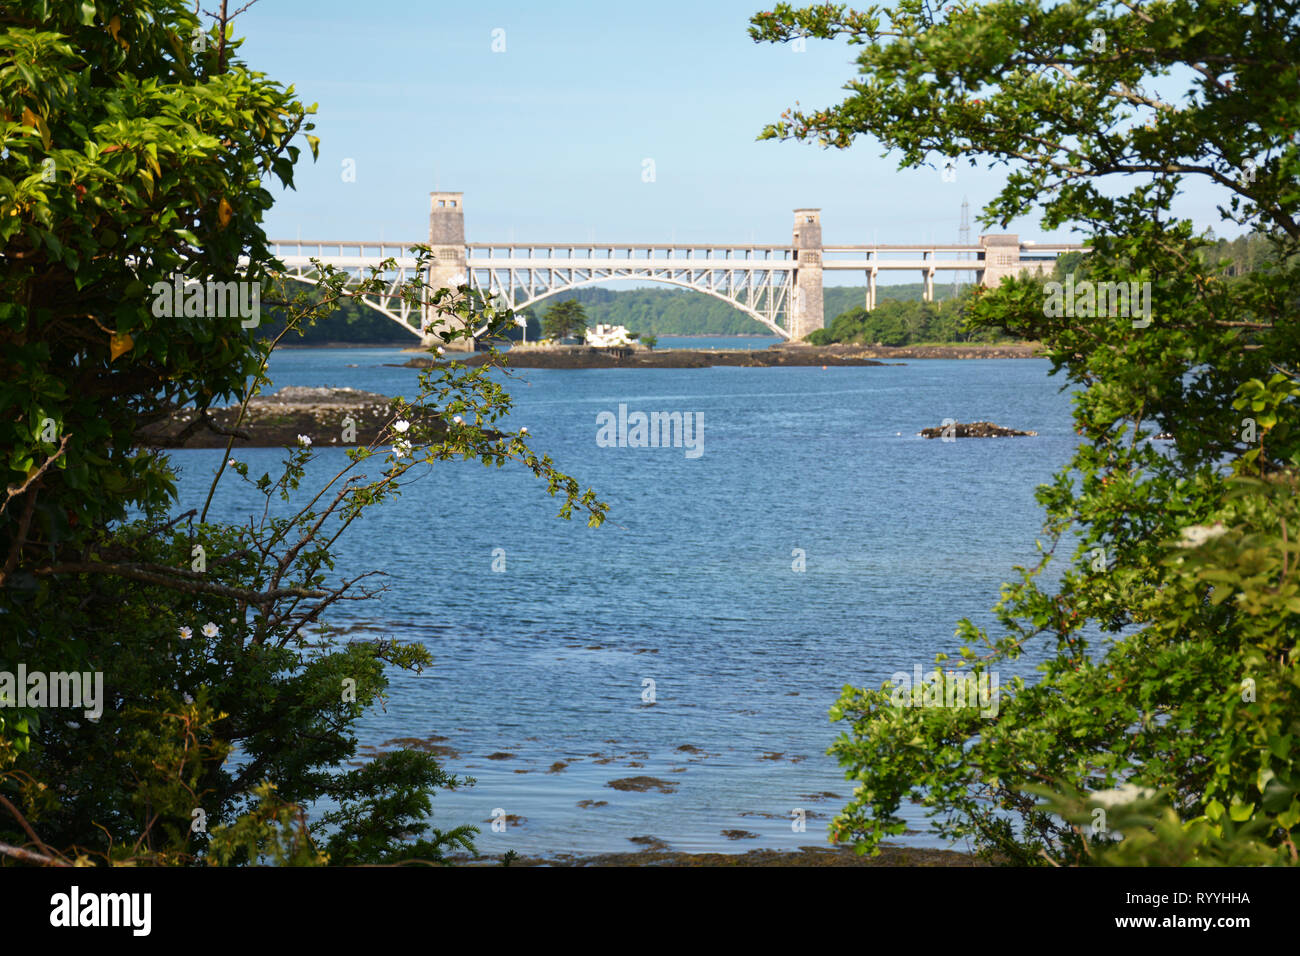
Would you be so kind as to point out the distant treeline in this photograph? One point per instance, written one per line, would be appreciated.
(659, 311)
(350, 323)
(1243, 254)
(1227, 257)
(650, 311)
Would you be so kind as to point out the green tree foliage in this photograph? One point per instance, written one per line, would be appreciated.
(564, 320)
(128, 158)
(905, 322)
(229, 707)
(1168, 649)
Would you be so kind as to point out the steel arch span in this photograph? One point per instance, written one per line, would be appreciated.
(495, 295)
(299, 267)
(757, 280)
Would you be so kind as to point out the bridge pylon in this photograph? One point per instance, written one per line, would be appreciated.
(450, 269)
(807, 312)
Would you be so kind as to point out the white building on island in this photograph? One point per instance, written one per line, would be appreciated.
(610, 336)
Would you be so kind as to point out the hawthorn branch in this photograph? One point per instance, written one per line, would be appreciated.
(11, 492)
(27, 856)
(22, 822)
(15, 550)
(191, 582)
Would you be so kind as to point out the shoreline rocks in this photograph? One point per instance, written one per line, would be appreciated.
(782, 355)
(581, 356)
(656, 852)
(277, 420)
(951, 351)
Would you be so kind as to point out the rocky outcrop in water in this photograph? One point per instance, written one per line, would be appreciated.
(973, 430)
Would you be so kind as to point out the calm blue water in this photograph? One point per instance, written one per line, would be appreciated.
(716, 342)
(689, 584)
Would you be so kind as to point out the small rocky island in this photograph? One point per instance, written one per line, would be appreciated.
(781, 354)
(277, 420)
(972, 430)
(583, 356)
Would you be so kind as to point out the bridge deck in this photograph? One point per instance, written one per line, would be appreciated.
(639, 256)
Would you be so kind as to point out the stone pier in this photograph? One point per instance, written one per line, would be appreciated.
(450, 268)
(806, 308)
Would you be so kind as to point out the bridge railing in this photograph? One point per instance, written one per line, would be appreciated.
(933, 258)
(354, 254)
(343, 254)
(625, 252)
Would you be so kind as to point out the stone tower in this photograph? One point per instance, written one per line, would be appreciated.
(806, 314)
(449, 270)
(1001, 257)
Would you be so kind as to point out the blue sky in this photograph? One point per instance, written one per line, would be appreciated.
(548, 139)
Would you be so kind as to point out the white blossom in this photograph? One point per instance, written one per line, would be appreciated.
(186, 633)
(304, 440)
(211, 630)
(1127, 793)
(401, 425)
(1196, 535)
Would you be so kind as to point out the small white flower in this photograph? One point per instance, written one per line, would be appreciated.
(186, 633)
(304, 440)
(211, 630)
(524, 430)
(457, 419)
(1128, 793)
(231, 463)
(441, 350)
(401, 448)
(1196, 535)
(187, 698)
(401, 425)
